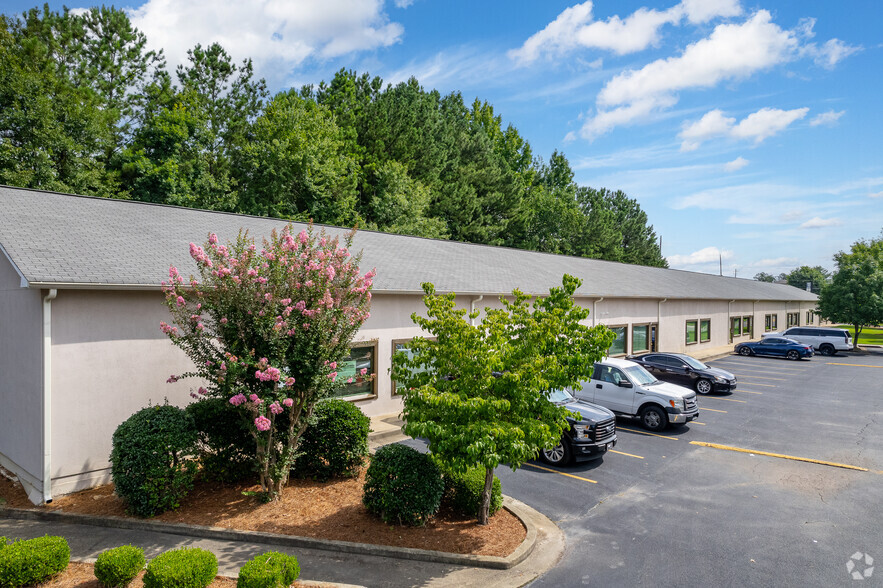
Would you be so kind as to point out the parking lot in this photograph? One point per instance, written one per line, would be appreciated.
(779, 483)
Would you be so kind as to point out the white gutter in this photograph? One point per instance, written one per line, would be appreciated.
(472, 308)
(595, 311)
(729, 322)
(47, 395)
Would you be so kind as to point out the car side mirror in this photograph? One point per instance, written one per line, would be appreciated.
(625, 384)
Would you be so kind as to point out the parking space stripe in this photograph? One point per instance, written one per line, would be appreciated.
(778, 455)
(623, 453)
(646, 433)
(697, 423)
(760, 377)
(560, 473)
(750, 391)
(764, 385)
(760, 367)
(855, 365)
(727, 399)
(713, 409)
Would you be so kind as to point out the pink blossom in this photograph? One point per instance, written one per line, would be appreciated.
(212, 238)
(349, 380)
(275, 408)
(287, 402)
(223, 320)
(172, 379)
(180, 300)
(286, 301)
(238, 399)
(202, 391)
(332, 376)
(268, 297)
(363, 371)
(289, 382)
(303, 237)
(262, 423)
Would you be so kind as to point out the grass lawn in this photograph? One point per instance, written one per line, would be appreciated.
(868, 335)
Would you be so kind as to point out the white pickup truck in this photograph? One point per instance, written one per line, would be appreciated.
(628, 389)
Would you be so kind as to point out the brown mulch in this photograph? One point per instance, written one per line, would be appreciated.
(81, 575)
(322, 510)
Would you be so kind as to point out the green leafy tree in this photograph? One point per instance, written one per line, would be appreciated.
(817, 276)
(400, 204)
(639, 241)
(764, 277)
(265, 329)
(855, 294)
(479, 394)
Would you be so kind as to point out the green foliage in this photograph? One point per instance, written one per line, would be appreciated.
(117, 567)
(226, 447)
(817, 277)
(30, 561)
(478, 395)
(336, 444)
(464, 490)
(269, 570)
(187, 567)
(403, 486)
(855, 293)
(764, 277)
(151, 460)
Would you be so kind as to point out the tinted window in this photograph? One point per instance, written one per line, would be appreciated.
(798, 332)
(772, 341)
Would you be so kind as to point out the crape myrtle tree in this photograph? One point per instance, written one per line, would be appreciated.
(266, 328)
(478, 394)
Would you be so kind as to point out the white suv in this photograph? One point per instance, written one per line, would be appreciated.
(826, 341)
(626, 388)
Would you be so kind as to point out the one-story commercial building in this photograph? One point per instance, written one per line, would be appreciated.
(80, 307)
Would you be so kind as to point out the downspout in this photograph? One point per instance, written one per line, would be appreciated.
(472, 308)
(659, 320)
(47, 395)
(595, 311)
(729, 320)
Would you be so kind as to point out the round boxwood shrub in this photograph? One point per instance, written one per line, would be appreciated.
(463, 492)
(269, 570)
(402, 486)
(226, 447)
(151, 460)
(336, 444)
(119, 566)
(187, 567)
(30, 561)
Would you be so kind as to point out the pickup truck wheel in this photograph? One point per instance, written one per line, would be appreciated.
(746, 351)
(703, 386)
(827, 350)
(793, 355)
(653, 418)
(557, 456)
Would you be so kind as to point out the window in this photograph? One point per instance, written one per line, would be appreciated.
(810, 317)
(793, 319)
(619, 344)
(640, 338)
(771, 322)
(746, 325)
(704, 330)
(735, 326)
(403, 346)
(362, 356)
(692, 327)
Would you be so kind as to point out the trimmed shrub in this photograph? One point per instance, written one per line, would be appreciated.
(225, 445)
(187, 567)
(463, 492)
(151, 460)
(119, 566)
(30, 561)
(336, 444)
(269, 570)
(402, 486)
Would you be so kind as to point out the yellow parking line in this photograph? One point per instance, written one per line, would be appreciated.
(854, 364)
(646, 433)
(561, 473)
(623, 453)
(712, 409)
(750, 391)
(697, 423)
(764, 385)
(759, 377)
(727, 399)
(779, 455)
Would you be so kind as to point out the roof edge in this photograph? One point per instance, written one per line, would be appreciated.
(24, 281)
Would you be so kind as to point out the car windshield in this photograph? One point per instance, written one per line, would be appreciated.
(693, 362)
(560, 396)
(639, 375)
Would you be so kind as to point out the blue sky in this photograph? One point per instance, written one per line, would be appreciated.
(748, 132)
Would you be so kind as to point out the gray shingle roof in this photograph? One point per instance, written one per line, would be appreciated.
(77, 241)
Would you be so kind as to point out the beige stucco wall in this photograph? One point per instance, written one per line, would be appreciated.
(109, 360)
(21, 372)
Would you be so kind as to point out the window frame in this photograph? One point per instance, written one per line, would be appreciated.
(625, 343)
(748, 325)
(771, 322)
(392, 351)
(646, 348)
(735, 327)
(704, 320)
(373, 344)
(695, 340)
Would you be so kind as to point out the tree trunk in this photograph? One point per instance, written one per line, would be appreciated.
(483, 512)
(858, 331)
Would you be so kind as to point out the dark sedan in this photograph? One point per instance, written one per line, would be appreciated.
(686, 371)
(776, 347)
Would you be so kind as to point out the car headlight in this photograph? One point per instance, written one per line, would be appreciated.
(581, 431)
(720, 379)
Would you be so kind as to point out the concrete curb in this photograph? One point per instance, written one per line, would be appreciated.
(521, 511)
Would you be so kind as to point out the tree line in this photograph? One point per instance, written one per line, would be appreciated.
(86, 108)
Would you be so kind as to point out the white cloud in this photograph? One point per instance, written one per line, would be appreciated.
(766, 122)
(876, 195)
(576, 28)
(826, 118)
(776, 262)
(758, 126)
(819, 223)
(736, 164)
(706, 255)
(403, 3)
(831, 53)
(277, 34)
